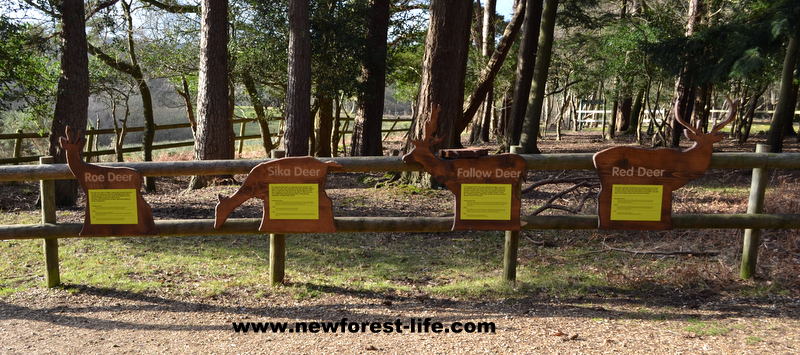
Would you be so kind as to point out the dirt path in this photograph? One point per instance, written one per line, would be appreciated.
(89, 320)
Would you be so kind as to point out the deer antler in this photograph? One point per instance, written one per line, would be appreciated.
(682, 122)
(71, 137)
(732, 106)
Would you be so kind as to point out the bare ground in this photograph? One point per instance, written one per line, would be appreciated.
(676, 317)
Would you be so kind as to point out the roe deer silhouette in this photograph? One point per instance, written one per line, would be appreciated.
(93, 177)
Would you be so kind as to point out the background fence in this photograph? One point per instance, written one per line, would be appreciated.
(92, 136)
(50, 230)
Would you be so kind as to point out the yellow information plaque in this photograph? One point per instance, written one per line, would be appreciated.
(294, 201)
(636, 202)
(486, 202)
(113, 206)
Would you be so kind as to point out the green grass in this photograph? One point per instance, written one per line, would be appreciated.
(752, 340)
(703, 328)
(466, 265)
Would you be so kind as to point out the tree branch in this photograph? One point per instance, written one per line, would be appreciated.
(120, 65)
(492, 67)
(653, 252)
(101, 6)
(173, 7)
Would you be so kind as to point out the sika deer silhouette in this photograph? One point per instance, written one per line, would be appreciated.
(93, 177)
(671, 168)
(293, 170)
(494, 169)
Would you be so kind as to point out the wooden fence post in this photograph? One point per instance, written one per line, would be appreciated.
(277, 244)
(511, 245)
(242, 130)
(47, 194)
(755, 205)
(18, 146)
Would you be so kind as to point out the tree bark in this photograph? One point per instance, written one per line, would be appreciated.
(524, 74)
(783, 111)
(214, 127)
(624, 114)
(444, 68)
(443, 72)
(72, 100)
(366, 138)
(325, 128)
(533, 115)
(298, 93)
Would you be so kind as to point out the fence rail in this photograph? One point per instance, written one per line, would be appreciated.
(90, 133)
(51, 231)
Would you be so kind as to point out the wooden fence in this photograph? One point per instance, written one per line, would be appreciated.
(92, 134)
(50, 230)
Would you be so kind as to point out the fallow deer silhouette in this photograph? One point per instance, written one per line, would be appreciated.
(91, 176)
(678, 166)
(446, 171)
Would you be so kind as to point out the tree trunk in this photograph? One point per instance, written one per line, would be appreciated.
(214, 127)
(789, 129)
(298, 93)
(261, 115)
(783, 111)
(337, 109)
(533, 115)
(187, 100)
(443, 73)
(149, 133)
(488, 73)
(684, 88)
(748, 114)
(366, 138)
(702, 106)
(487, 47)
(72, 100)
(612, 123)
(526, 58)
(325, 128)
(624, 114)
(636, 113)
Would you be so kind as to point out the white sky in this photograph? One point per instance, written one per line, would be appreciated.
(505, 8)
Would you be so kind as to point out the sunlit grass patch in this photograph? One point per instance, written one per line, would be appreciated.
(704, 328)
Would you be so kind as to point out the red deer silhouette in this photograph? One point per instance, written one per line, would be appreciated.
(257, 185)
(482, 170)
(672, 168)
(92, 177)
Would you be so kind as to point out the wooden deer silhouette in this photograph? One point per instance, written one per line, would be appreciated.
(506, 169)
(113, 195)
(665, 167)
(293, 170)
